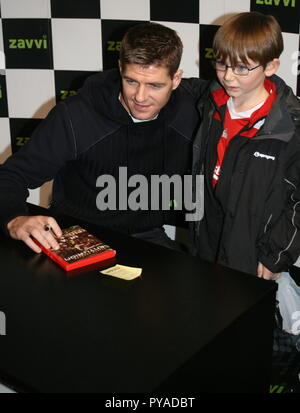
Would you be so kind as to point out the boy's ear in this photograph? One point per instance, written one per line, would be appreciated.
(272, 67)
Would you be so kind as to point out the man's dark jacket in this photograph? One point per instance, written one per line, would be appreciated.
(89, 135)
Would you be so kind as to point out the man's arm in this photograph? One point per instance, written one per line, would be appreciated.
(50, 147)
(196, 87)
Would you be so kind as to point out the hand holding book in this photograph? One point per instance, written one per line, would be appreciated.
(78, 248)
(31, 228)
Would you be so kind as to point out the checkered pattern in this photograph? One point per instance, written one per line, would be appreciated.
(48, 48)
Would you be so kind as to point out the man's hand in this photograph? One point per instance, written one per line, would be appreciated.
(263, 272)
(23, 227)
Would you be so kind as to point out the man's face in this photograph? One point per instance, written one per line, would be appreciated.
(145, 90)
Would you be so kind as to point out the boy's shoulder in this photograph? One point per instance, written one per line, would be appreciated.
(293, 105)
(287, 99)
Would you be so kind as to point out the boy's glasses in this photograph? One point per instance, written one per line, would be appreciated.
(240, 70)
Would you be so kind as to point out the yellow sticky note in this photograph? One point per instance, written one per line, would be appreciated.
(123, 272)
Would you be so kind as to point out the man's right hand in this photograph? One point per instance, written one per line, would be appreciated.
(24, 227)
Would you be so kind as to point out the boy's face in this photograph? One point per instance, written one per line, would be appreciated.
(245, 88)
(146, 90)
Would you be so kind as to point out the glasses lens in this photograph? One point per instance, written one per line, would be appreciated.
(241, 70)
(220, 65)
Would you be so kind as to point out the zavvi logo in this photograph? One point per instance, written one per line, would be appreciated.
(285, 3)
(29, 43)
(2, 324)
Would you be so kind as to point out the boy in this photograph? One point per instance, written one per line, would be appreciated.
(249, 149)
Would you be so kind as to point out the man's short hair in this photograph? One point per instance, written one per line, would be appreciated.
(151, 44)
(249, 35)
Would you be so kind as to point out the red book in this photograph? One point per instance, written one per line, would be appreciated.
(78, 248)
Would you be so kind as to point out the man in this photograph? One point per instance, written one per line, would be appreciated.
(139, 118)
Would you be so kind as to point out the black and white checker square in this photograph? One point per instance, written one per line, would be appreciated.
(5, 141)
(76, 44)
(25, 99)
(79, 9)
(27, 43)
(217, 11)
(175, 11)
(287, 12)
(3, 97)
(207, 34)
(21, 131)
(32, 9)
(2, 54)
(133, 10)
(67, 82)
(189, 34)
(112, 34)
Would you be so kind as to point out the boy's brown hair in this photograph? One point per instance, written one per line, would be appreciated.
(249, 35)
(151, 44)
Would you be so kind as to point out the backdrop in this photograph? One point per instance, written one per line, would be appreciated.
(48, 48)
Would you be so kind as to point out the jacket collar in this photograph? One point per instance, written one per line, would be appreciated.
(280, 122)
(284, 115)
(102, 91)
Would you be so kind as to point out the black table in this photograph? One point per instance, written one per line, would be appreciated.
(184, 326)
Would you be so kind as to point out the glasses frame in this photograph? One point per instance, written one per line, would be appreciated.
(214, 63)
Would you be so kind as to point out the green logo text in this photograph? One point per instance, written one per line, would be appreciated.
(113, 46)
(28, 43)
(22, 140)
(209, 53)
(286, 3)
(66, 93)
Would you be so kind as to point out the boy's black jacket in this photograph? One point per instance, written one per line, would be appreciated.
(254, 214)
